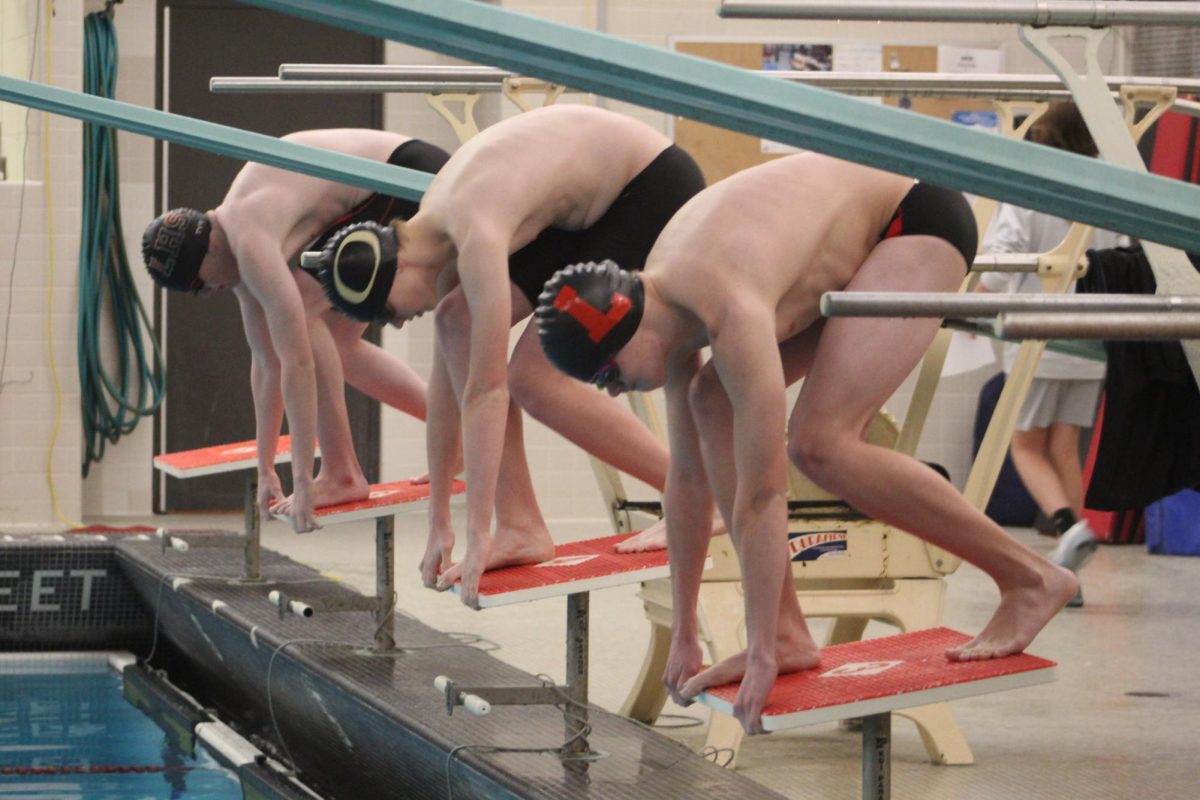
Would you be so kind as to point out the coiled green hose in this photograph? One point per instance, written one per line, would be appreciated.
(111, 315)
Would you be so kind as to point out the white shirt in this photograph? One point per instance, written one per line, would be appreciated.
(1019, 230)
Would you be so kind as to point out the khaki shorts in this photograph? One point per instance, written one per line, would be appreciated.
(1053, 400)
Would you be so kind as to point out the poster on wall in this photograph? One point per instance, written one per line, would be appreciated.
(817, 58)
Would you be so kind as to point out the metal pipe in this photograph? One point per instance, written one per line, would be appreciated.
(1006, 262)
(392, 72)
(1110, 326)
(1030, 88)
(872, 83)
(1039, 13)
(267, 84)
(974, 306)
(1090, 349)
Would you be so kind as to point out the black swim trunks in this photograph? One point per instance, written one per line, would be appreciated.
(382, 208)
(929, 210)
(625, 233)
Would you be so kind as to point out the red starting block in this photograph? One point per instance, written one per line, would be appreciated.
(220, 458)
(872, 678)
(857, 679)
(384, 499)
(576, 567)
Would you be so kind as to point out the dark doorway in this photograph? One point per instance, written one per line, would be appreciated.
(208, 399)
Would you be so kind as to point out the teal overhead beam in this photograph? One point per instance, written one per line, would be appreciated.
(1041, 178)
(221, 139)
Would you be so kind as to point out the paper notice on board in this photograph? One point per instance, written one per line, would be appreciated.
(969, 60)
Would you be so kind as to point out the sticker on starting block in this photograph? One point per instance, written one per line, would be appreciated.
(383, 499)
(811, 545)
(858, 679)
(576, 567)
(220, 458)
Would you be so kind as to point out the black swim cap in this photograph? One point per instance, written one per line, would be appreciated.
(357, 267)
(173, 247)
(586, 314)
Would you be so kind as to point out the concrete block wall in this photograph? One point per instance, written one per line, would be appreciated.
(39, 244)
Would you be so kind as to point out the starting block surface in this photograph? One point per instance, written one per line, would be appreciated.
(576, 567)
(220, 458)
(859, 679)
(385, 498)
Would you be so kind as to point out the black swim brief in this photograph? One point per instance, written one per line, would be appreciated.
(382, 208)
(625, 233)
(929, 210)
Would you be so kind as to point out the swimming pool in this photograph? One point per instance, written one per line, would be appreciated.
(67, 733)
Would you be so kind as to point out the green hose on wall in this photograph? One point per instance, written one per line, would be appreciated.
(112, 318)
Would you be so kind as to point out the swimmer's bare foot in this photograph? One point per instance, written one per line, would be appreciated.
(420, 480)
(1022, 614)
(328, 491)
(654, 538)
(506, 549)
(792, 654)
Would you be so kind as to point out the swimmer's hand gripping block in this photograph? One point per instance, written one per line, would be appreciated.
(576, 567)
(875, 676)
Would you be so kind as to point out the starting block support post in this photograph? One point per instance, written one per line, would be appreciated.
(877, 756)
(252, 570)
(577, 569)
(382, 605)
(385, 583)
(577, 671)
(249, 541)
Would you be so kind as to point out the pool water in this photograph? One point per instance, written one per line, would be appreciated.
(72, 736)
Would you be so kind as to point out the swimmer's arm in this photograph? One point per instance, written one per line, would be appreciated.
(483, 271)
(264, 382)
(747, 360)
(687, 501)
(266, 275)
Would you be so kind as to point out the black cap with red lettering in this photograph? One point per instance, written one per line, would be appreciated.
(586, 314)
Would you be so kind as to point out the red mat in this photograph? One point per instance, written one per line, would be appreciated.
(219, 458)
(384, 497)
(877, 675)
(576, 567)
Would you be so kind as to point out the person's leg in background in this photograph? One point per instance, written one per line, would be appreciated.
(1045, 452)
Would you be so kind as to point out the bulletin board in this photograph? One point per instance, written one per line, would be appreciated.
(720, 153)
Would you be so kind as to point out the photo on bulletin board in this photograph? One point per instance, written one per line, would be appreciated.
(803, 57)
(816, 58)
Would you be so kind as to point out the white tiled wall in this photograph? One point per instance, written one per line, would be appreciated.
(39, 242)
(120, 484)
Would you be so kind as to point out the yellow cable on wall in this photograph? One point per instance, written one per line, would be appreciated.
(50, 281)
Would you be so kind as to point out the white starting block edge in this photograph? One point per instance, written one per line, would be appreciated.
(895, 702)
(250, 462)
(574, 587)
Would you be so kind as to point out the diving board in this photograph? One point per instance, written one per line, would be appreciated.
(221, 458)
(874, 677)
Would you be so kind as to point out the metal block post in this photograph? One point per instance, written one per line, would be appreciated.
(877, 756)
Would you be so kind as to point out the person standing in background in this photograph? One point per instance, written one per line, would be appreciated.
(1065, 391)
